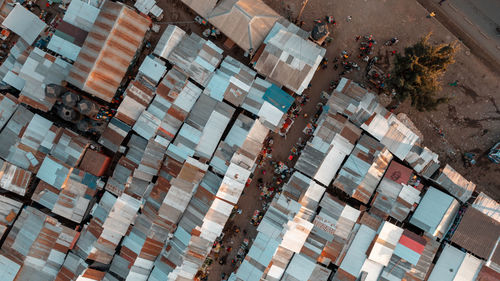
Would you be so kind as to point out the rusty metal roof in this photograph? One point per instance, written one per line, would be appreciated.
(364, 168)
(455, 183)
(108, 50)
(477, 233)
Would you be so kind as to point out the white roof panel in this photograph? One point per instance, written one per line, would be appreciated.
(24, 23)
(270, 113)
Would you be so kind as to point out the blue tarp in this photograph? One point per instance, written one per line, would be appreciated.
(279, 98)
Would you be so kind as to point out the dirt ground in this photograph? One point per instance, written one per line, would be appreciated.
(470, 122)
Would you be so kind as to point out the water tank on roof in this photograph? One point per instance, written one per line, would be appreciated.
(54, 90)
(67, 113)
(70, 99)
(85, 106)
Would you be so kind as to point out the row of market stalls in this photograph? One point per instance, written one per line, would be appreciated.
(182, 159)
(181, 156)
(397, 228)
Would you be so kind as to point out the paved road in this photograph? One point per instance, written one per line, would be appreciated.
(485, 14)
(474, 22)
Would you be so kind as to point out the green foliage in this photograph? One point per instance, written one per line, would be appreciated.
(416, 74)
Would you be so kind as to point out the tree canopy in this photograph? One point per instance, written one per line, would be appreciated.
(416, 74)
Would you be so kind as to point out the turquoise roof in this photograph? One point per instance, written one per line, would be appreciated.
(431, 210)
(279, 98)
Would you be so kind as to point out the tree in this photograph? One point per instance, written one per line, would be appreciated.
(416, 74)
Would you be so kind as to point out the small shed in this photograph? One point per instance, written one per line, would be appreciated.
(435, 212)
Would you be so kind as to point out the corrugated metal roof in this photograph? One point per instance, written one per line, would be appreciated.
(146, 125)
(9, 268)
(38, 242)
(487, 206)
(423, 161)
(63, 47)
(14, 61)
(488, 274)
(216, 217)
(144, 242)
(203, 8)
(295, 235)
(172, 84)
(74, 198)
(197, 57)
(278, 98)
(71, 268)
(151, 161)
(477, 233)
(153, 68)
(448, 264)
(234, 140)
(231, 82)
(435, 212)
(137, 98)
(121, 173)
(8, 212)
(69, 147)
(356, 254)
(300, 268)
(10, 138)
(81, 14)
(24, 23)
(385, 244)
(114, 134)
(364, 168)
(8, 105)
(109, 224)
(355, 102)
(289, 59)
(213, 130)
(245, 22)
(260, 253)
(193, 217)
(272, 117)
(370, 271)
(109, 48)
(254, 99)
(168, 40)
(53, 172)
(13, 178)
(394, 196)
(41, 69)
(455, 184)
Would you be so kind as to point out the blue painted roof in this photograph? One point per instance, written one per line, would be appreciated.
(279, 98)
(356, 255)
(447, 265)
(218, 85)
(431, 210)
(407, 254)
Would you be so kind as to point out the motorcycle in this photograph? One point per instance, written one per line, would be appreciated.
(392, 42)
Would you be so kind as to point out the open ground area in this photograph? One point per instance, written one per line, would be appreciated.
(167, 215)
